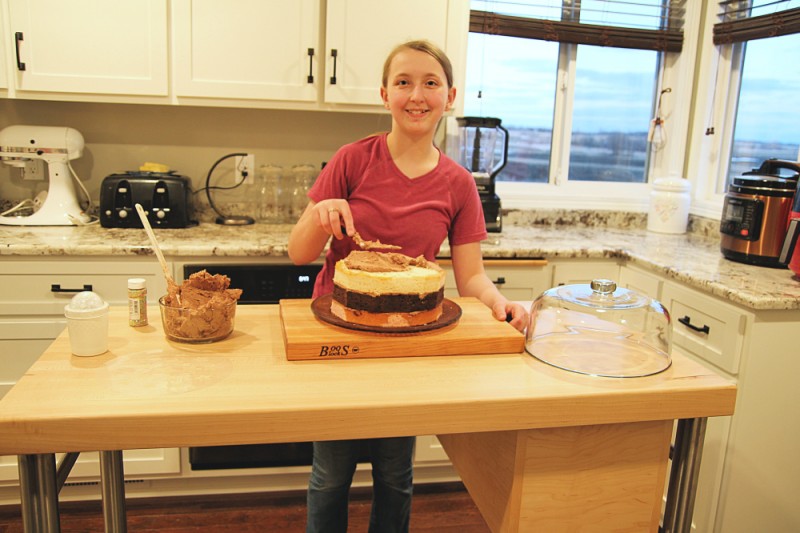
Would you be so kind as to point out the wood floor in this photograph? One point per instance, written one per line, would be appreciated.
(438, 508)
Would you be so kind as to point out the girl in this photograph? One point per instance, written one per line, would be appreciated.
(399, 189)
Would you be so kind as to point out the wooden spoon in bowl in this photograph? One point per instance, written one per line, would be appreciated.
(172, 287)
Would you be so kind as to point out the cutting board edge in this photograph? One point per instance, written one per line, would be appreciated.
(495, 337)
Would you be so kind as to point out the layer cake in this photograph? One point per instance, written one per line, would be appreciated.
(387, 290)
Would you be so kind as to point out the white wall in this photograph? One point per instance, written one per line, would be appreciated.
(121, 137)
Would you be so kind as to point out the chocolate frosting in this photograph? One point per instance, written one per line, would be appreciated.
(385, 261)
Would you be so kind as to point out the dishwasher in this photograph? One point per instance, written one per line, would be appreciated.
(260, 284)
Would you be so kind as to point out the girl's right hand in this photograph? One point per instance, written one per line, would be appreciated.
(334, 216)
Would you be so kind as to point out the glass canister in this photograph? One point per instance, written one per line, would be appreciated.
(601, 330)
(303, 177)
(670, 200)
(268, 194)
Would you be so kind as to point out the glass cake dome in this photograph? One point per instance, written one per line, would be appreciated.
(600, 329)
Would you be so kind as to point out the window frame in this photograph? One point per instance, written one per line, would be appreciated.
(677, 71)
(716, 96)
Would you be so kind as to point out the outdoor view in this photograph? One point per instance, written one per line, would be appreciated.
(516, 80)
(768, 118)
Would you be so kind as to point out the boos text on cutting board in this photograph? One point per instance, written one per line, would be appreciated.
(337, 350)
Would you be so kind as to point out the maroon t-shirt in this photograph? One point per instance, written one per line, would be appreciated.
(417, 214)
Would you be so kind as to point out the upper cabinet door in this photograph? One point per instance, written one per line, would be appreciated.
(90, 46)
(246, 49)
(361, 33)
(3, 40)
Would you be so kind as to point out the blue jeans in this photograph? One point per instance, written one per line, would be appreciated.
(332, 474)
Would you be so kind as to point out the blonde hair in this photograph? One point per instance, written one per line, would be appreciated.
(420, 46)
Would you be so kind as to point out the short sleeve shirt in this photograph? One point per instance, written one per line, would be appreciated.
(417, 214)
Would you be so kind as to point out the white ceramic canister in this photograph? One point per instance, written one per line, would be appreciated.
(670, 199)
(87, 323)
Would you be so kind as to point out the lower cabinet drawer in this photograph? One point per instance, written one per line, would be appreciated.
(706, 327)
(516, 279)
(45, 287)
(22, 341)
(583, 272)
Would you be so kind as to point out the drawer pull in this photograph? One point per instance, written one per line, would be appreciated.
(500, 281)
(56, 287)
(687, 321)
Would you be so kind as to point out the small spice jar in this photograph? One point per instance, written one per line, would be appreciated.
(137, 302)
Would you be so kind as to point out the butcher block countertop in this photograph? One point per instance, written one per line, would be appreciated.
(147, 392)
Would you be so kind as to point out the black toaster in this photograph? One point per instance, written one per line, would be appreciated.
(166, 198)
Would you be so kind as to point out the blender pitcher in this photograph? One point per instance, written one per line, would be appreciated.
(481, 146)
(479, 150)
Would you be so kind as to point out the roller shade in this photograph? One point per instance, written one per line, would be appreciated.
(748, 20)
(639, 24)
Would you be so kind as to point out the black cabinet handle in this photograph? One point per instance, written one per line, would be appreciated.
(334, 55)
(310, 65)
(17, 38)
(500, 281)
(56, 287)
(687, 321)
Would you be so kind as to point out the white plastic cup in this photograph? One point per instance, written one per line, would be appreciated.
(669, 205)
(88, 329)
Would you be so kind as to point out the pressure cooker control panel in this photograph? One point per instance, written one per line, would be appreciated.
(741, 218)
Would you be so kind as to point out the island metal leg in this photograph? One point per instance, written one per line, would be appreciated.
(39, 493)
(112, 484)
(686, 455)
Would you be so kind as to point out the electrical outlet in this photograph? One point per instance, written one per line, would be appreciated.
(33, 170)
(245, 168)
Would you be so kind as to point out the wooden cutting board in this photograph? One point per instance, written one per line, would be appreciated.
(476, 332)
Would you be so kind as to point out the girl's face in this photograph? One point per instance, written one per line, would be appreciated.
(416, 92)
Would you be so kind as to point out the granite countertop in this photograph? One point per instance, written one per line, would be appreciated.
(691, 258)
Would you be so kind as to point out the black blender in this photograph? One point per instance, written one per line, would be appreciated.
(483, 150)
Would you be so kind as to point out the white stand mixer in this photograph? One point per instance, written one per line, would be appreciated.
(55, 146)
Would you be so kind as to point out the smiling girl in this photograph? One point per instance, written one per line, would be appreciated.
(401, 189)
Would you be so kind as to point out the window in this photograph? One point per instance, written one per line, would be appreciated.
(768, 114)
(576, 112)
(748, 109)
(764, 37)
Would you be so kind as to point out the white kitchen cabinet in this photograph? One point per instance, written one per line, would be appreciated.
(3, 40)
(248, 49)
(272, 52)
(570, 272)
(89, 47)
(638, 280)
(749, 476)
(361, 33)
(304, 54)
(711, 329)
(429, 449)
(516, 279)
(32, 315)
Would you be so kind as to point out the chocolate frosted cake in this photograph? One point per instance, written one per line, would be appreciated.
(387, 290)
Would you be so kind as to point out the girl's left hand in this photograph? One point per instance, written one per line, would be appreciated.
(513, 313)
